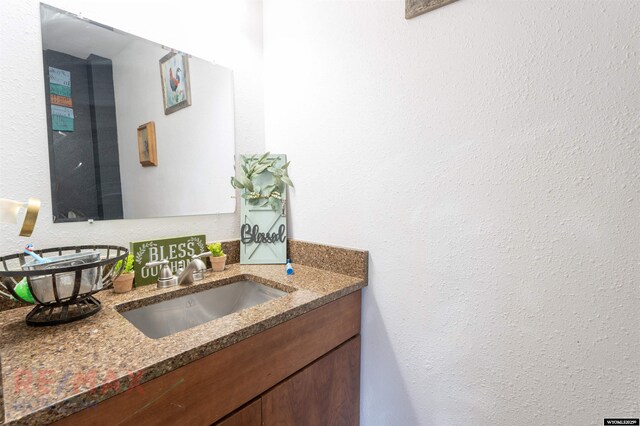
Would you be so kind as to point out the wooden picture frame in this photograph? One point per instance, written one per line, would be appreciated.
(413, 8)
(176, 84)
(147, 144)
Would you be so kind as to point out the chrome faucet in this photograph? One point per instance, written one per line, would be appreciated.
(194, 271)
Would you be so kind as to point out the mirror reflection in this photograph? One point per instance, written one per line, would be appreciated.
(136, 130)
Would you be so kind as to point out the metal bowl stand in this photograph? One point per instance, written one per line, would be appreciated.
(65, 308)
(61, 313)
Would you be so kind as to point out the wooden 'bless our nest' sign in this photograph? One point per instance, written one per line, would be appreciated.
(263, 222)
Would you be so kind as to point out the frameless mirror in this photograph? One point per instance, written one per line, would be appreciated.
(136, 130)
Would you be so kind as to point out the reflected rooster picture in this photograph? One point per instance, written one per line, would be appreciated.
(174, 71)
(174, 81)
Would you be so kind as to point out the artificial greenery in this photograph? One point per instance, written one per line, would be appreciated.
(215, 249)
(269, 195)
(128, 265)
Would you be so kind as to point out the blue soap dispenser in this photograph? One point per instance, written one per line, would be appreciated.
(289, 267)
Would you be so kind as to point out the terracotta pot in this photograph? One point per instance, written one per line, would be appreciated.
(217, 263)
(123, 283)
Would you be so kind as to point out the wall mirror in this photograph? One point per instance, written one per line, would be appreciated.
(136, 130)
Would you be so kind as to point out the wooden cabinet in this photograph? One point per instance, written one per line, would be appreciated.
(303, 371)
(325, 393)
(251, 415)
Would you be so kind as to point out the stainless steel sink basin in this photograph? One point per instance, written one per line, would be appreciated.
(171, 316)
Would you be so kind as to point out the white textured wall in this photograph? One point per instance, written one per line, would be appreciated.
(487, 155)
(228, 32)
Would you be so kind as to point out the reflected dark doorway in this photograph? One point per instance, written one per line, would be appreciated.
(83, 141)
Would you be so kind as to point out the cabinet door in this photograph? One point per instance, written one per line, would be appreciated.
(326, 392)
(249, 415)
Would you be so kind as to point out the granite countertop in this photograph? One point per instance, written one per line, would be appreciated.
(51, 372)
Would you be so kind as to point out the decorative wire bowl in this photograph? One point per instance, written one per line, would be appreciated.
(63, 288)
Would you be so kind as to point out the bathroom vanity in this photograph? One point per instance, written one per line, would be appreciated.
(294, 359)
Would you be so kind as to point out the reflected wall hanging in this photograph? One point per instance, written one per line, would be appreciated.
(413, 8)
(176, 87)
(147, 144)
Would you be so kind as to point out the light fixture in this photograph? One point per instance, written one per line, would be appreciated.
(22, 214)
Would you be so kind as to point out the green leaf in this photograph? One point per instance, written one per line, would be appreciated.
(274, 203)
(215, 249)
(236, 183)
(246, 183)
(265, 204)
(286, 180)
(251, 167)
(264, 157)
(246, 195)
(261, 169)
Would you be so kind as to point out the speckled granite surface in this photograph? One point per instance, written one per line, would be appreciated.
(354, 263)
(6, 304)
(52, 372)
(232, 249)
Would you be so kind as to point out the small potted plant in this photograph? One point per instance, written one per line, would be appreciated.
(124, 282)
(218, 258)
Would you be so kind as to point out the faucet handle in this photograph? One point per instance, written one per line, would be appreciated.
(156, 263)
(165, 277)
